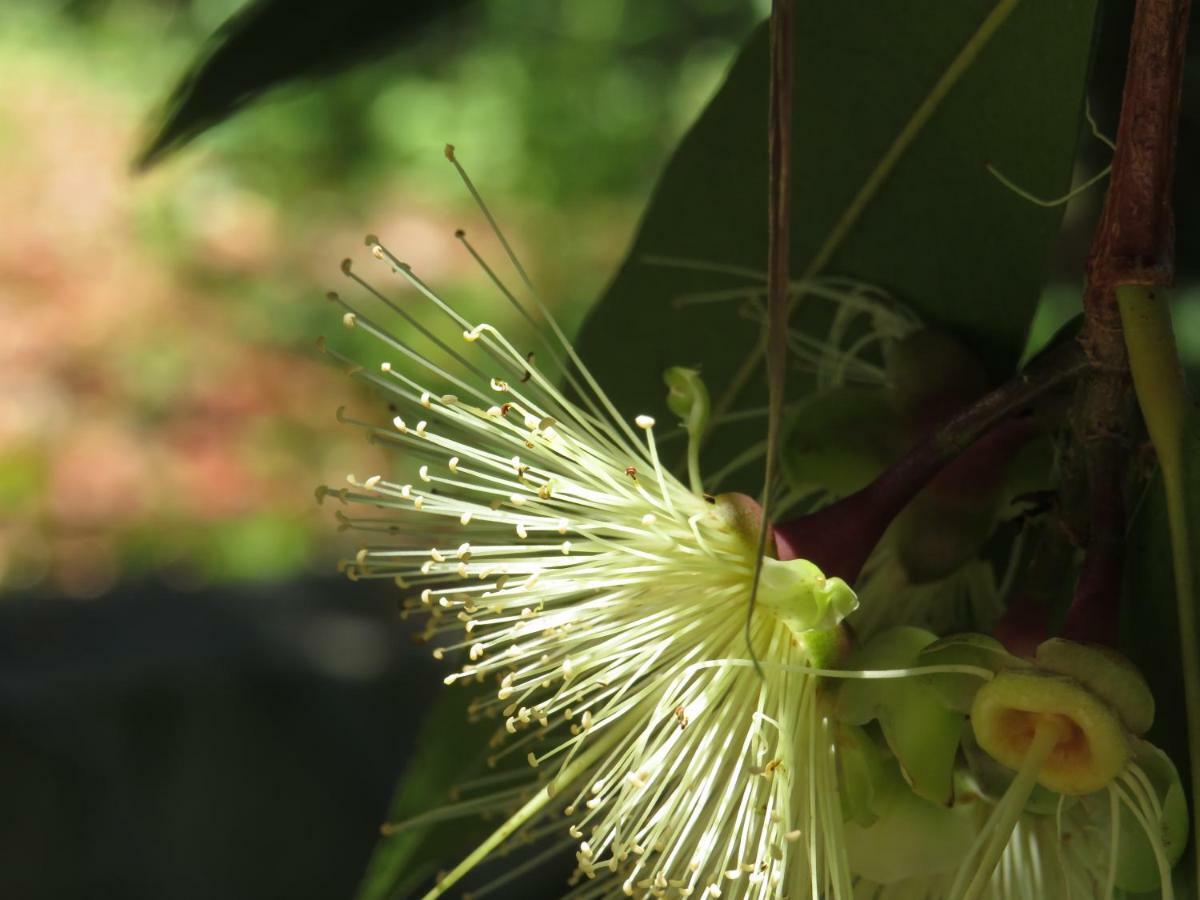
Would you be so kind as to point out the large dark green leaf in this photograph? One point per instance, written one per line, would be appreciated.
(271, 42)
(449, 751)
(940, 233)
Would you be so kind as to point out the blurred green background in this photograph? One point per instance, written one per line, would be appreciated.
(166, 412)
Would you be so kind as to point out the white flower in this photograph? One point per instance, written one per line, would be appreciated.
(607, 604)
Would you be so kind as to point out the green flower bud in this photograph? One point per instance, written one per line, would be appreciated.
(687, 397)
(840, 439)
(932, 374)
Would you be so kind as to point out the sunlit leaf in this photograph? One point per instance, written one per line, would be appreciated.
(272, 42)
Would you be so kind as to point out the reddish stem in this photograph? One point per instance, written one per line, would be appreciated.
(840, 537)
(1133, 244)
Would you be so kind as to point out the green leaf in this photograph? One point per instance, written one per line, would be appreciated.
(939, 232)
(982, 651)
(918, 728)
(403, 861)
(271, 42)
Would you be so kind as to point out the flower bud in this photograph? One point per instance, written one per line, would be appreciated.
(687, 397)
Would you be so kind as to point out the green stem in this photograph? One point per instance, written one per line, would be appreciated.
(525, 813)
(999, 826)
(1161, 393)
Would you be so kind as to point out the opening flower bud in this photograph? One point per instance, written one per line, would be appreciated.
(687, 397)
(1089, 744)
(1107, 674)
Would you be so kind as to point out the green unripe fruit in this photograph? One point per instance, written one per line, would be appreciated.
(840, 439)
(932, 374)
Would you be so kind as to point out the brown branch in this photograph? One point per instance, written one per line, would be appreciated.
(1133, 244)
(779, 220)
(839, 537)
(779, 129)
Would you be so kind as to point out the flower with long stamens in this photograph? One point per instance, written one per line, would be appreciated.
(558, 560)
(606, 603)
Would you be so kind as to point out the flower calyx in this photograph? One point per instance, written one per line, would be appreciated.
(796, 591)
(1081, 703)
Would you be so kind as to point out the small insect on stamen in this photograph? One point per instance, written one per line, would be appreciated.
(681, 717)
(631, 471)
(528, 374)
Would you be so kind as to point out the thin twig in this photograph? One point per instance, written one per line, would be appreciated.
(779, 145)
